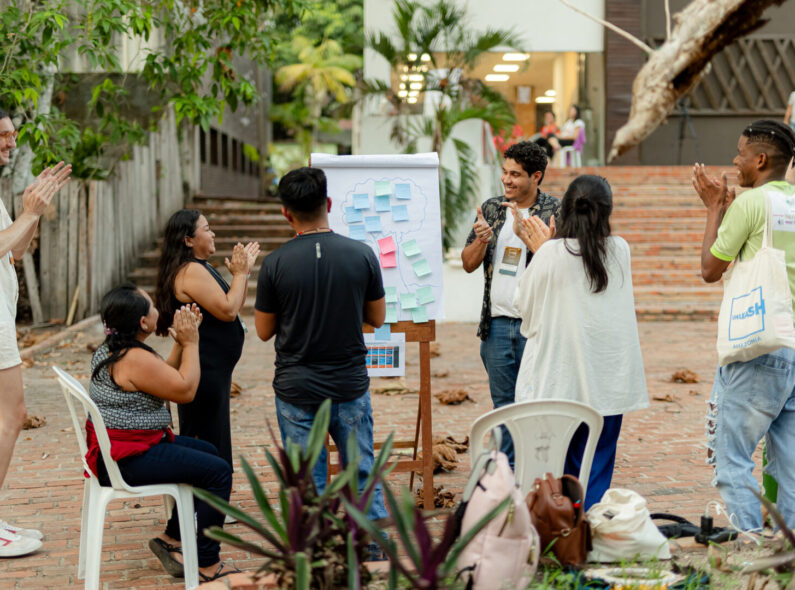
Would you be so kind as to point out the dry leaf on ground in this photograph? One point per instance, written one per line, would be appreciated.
(399, 387)
(442, 498)
(34, 421)
(32, 338)
(445, 457)
(441, 374)
(436, 349)
(236, 390)
(685, 376)
(459, 446)
(453, 397)
(668, 397)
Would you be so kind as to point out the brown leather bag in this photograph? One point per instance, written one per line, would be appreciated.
(557, 513)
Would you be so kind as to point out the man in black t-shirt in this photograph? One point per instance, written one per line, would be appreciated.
(313, 294)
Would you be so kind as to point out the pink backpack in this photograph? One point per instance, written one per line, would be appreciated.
(504, 554)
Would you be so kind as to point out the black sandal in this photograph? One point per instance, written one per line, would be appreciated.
(163, 551)
(219, 573)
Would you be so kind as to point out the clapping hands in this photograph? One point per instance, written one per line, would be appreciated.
(185, 327)
(243, 258)
(38, 196)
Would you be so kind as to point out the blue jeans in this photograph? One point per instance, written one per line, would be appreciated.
(501, 354)
(347, 418)
(751, 400)
(186, 460)
(604, 458)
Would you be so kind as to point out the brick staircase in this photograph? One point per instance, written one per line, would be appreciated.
(656, 210)
(232, 221)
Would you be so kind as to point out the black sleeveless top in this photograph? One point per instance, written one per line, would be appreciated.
(220, 342)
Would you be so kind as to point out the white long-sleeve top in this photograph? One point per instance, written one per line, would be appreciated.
(581, 346)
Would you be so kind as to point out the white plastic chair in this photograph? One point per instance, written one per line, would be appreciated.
(96, 497)
(569, 156)
(541, 431)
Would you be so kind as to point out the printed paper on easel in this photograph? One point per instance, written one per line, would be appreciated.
(386, 358)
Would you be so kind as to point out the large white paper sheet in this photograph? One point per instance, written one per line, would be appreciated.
(402, 192)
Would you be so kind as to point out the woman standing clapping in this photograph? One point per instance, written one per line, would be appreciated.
(578, 315)
(185, 276)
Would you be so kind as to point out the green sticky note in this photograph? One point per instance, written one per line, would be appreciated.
(408, 301)
(410, 248)
(425, 295)
(391, 294)
(422, 268)
(382, 187)
(391, 314)
(419, 315)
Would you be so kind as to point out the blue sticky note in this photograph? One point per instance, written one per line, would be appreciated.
(408, 301)
(391, 294)
(400, 213)
(391, 314)
(403, 191)
(425, 295)
(357, 232)
(410, 248)
(383, 333)
(382, 188)
(353, 215)
(419, 315)
(361, 201)
(372, 224)
(382, 203)
(421, 267)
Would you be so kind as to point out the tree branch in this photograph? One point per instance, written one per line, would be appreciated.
(618, 30)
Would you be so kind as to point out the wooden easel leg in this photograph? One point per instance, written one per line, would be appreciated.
(416, 442)
(427, 424)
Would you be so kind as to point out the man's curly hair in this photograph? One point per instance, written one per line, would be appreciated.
(530, 155)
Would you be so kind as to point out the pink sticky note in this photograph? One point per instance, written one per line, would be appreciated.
(387, 245)
(388, 260)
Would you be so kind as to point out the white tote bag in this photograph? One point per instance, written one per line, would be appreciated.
(622, 529)
(756, 312)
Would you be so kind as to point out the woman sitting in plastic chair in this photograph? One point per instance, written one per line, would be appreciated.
(130, 384)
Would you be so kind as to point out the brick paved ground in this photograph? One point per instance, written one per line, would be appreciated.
(660, 452)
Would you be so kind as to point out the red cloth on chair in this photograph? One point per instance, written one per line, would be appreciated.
(123, 443)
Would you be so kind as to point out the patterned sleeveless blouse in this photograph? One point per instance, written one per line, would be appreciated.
(125, 410)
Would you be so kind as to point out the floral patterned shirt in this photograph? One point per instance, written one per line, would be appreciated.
(494, 213)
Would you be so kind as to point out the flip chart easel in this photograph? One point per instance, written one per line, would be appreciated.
(423, 334)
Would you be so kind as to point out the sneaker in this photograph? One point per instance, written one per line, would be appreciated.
(31, 533)
(12, 545)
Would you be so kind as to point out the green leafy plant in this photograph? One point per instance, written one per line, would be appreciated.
(310, 541)
(436, 44)
(433, 564)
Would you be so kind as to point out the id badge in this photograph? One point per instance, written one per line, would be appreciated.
(510, 261)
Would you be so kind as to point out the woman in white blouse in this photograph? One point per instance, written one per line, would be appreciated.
(578, 315)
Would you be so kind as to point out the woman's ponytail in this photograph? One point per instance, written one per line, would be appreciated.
(585, 216)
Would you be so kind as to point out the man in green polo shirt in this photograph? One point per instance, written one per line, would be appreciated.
(752, 399)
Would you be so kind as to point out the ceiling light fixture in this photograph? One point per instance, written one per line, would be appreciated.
(516, 57)
(412, 100)
(551, 92)
(497, 77)
(416, 85)
(403, 94)
(425, 57)
(416, 78)
(506, 68)
(545, 99)
(412, 57)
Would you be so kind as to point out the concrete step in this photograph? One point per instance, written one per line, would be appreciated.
(252, 231)
(224, 244)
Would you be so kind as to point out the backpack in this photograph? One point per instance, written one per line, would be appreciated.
(508, 547)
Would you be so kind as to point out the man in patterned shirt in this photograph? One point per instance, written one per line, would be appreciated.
(15, 238)
(499, 240)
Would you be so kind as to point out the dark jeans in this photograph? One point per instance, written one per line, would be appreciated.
(501, 354)
(186, 460)
(604, 458)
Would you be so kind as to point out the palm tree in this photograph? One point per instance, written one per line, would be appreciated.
(323, 74)
(434, 42)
